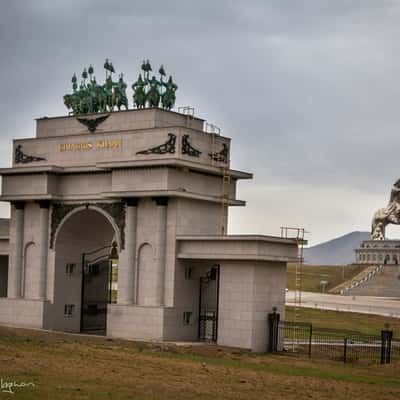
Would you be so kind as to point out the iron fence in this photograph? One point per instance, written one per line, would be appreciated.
(297, 338)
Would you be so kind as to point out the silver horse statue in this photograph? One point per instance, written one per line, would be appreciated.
(387, 215)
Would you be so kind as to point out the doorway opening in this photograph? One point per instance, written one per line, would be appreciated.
(3, 275)
(99, 287)
(208, 305)
(386, 259)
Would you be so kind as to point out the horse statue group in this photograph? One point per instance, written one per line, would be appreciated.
(387, 215)
(152, 92)
(92, 97)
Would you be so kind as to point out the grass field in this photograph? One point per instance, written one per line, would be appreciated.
(77, 367)
(345, 322)
(312, 275)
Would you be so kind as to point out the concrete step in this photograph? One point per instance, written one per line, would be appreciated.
(385, 284)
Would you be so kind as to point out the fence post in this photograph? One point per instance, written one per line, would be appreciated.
(345, 350)
(310, 342)
(386, 346)
(273, 322)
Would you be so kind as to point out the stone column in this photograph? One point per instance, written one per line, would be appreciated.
(16, 252)
(162, 209)
(43, 243)
(127, 267)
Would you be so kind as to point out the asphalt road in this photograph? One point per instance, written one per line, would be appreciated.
(389, 307)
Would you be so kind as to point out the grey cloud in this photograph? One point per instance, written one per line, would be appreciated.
(307, 88)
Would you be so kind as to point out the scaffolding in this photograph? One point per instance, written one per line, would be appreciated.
(226, 184)
(189, 112)
(215, 132)
(297, 234)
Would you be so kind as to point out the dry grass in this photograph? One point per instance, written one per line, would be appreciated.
(76, 367)
(312, 275)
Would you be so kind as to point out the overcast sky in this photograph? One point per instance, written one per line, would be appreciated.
(308, 90)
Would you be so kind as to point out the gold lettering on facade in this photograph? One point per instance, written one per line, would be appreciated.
(99, 145)
(108, 144)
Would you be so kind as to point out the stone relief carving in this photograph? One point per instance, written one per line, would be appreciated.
(188, 149)
(167, 147)
(220, 156)
(92, 123)
(21, 158)
(115, 210)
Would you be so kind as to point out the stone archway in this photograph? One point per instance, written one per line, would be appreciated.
(82, 231)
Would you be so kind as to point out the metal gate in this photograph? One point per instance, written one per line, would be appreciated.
(208, 305)
(96, 290)
(300, 338)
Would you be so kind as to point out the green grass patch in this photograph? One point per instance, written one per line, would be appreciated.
(345, 323)
(312, 275)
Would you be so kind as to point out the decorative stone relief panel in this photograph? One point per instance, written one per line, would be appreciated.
(115, 210)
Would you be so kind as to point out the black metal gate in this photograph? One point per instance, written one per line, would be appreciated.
(208, 305)
(96, 291)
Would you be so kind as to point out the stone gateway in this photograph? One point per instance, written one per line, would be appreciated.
(120, 230)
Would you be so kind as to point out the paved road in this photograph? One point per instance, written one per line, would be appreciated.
(389, 307)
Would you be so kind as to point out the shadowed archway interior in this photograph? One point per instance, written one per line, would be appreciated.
(81, 233)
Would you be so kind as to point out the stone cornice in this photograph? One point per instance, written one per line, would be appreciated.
(109, 166)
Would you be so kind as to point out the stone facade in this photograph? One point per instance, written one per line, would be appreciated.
(149, 183)
(374, 252)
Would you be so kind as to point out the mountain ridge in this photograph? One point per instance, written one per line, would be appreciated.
(337, 251)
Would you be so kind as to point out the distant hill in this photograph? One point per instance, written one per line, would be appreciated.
(339, 251)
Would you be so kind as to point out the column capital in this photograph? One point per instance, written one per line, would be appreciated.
(132, 201)
(19, 205)
(161, 201)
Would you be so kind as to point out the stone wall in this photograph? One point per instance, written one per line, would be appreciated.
(135, 322)
(248, 292)
(22, 313)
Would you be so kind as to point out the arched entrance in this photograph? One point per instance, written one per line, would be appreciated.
(83, 271)
(386, 259)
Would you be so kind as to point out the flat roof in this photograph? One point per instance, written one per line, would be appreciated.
(238, 248)
(255, 237)
(119, 112)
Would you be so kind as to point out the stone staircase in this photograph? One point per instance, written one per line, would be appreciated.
(356, 280)
(385, 282)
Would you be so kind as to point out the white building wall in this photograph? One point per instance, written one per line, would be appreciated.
(12, 261)
(22, 313)
(195, 217)
(135, 322)
(235, 305)
(248, 292)
(149, 274)
(170, 253)
(31, 260)
(187, 300)
(89, 183)
(269, 293)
